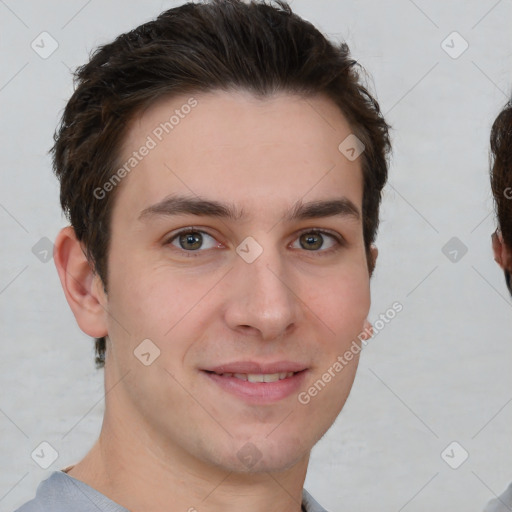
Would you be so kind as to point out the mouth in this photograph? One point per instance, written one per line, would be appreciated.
(256, 384)
(257, 377)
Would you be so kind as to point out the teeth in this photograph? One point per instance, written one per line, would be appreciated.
(260, 377)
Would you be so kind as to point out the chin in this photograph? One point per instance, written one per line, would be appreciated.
(263, 455)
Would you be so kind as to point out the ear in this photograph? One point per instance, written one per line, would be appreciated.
(374, 252)
(367, 331)
(82, 286)
(502, 253)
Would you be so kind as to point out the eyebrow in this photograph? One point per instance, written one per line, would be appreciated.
(176, 205)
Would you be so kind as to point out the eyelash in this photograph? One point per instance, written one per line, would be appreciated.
(340, 242)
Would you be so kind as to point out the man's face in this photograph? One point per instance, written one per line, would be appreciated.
(213, 304)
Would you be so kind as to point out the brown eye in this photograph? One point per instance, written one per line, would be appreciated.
(192, 240)
(315, 240)
(311, 241)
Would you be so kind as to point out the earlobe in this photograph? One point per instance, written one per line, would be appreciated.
(497, 247)
(367, 332)
(82, 286)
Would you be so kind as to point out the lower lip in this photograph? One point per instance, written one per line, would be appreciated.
(259, 392)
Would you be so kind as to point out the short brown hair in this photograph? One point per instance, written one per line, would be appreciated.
(221, 44)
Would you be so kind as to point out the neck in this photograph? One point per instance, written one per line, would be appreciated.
(134, 468)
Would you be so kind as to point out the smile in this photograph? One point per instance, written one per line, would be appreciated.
(259, 377)
(258, 388)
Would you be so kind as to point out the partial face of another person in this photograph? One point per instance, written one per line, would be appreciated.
(502, 256)
(277, 286)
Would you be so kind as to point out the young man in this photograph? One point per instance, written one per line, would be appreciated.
(501, 183)
(222, 170)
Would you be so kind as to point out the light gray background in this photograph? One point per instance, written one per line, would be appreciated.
(439, 372)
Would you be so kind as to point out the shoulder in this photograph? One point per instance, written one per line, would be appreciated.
(45, 491)
(501, 504)
(62, 493)
(310, 504)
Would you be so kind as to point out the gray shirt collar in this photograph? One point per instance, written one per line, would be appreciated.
(61, 492)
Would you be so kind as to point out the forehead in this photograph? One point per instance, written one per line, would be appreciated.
(235, 147)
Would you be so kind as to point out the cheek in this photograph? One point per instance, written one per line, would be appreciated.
(155, 302)
(342, 302)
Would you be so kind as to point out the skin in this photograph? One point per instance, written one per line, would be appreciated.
(170, 435)
(502, 253)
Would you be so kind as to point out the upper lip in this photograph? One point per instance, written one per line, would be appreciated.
(258, 368)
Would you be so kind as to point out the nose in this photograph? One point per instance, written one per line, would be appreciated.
(263, 298)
